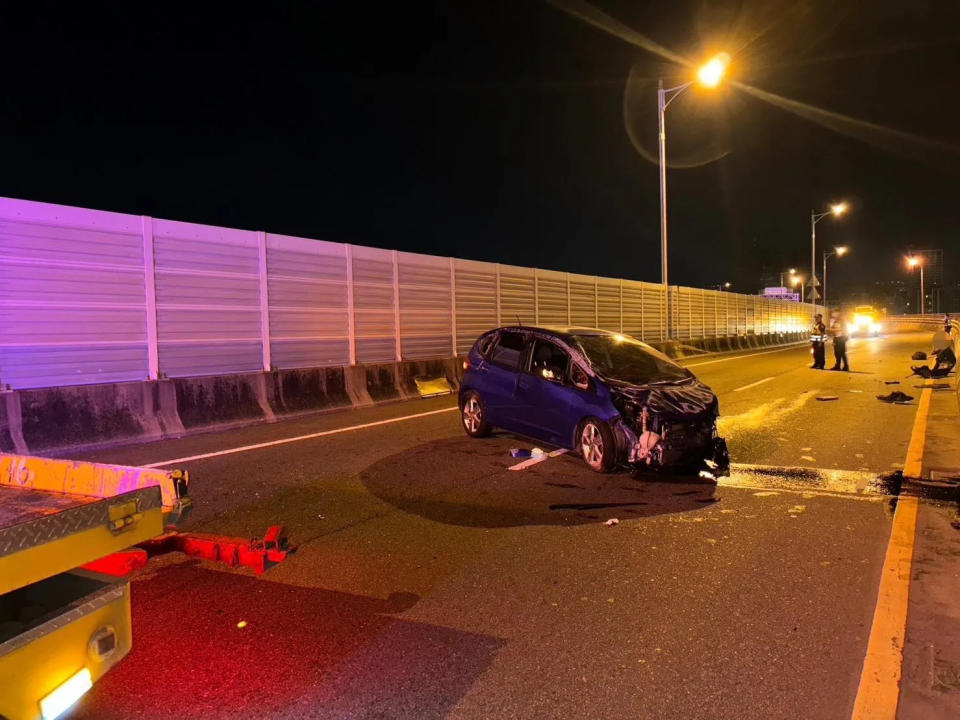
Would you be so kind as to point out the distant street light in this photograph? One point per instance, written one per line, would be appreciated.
(917, 261)
(724, 286)
(792, 271)
(797, 280)
(837, 209)
(839, 252)
(709, 75)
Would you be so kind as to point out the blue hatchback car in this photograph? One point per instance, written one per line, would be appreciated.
(616, 400)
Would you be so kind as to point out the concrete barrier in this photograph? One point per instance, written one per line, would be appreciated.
(55, 421)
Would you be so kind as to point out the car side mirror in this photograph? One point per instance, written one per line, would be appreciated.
(579, 378)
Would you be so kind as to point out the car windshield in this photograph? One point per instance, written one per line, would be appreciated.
(621, 358)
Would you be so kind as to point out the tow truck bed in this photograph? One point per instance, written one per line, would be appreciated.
(44, 533)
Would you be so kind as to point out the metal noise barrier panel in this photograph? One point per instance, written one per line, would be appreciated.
(90, 297)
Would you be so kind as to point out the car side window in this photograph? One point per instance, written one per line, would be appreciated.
(548, 360)
(485, 343)
(508, 350)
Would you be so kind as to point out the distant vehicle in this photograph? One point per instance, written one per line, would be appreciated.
(616, 400)
(864, 322)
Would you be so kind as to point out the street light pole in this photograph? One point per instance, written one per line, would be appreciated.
(813, 258)
(815, 217)
(662, 140)
(709, 75)
(837, 251)
(913, 262)
(923, 298)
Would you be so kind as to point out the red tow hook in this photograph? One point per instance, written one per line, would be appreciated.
(258, 553)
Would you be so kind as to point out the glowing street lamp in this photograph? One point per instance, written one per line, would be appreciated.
(839, 252)
(709, 75)
(797, 280)
(917, 261)
(837, 209)
(792, 271)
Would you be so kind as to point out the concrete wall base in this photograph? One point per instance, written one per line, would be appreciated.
(77, 418)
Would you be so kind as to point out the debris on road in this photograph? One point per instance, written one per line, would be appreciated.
(521, 453)
(825, 398)
(895, 397)
(611, 522)
(808, 458)
(919, 355)
(856, 391)
(891, 382)
(926, 372)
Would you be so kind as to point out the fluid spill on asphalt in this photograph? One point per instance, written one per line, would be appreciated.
(594, 506)
(806, 479)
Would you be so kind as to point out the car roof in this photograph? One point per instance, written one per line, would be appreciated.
(559, 330)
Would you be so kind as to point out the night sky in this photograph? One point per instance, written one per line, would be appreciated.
(498, 130)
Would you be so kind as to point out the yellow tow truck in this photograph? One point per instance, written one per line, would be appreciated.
(70, 534)
(865, 321)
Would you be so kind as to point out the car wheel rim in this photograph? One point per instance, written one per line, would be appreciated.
(472, 415)
(591, 444)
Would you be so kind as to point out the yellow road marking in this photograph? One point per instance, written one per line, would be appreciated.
(879, 690)
(912, 467)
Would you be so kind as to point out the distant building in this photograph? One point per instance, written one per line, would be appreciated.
(894, 295)
(782, 293)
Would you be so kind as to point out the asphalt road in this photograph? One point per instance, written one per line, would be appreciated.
(433, 582)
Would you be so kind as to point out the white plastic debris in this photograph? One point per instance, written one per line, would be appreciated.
(536, 453)
(612, 521)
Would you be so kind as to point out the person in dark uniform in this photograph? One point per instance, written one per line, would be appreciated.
(817, 342)
(839, 343)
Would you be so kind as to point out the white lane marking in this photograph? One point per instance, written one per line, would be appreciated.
(284, 441)
(738, 357)
(533, 461)
(754, 384)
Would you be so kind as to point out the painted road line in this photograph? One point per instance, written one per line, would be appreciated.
(298, 438)
(533, 461)
(879, 690)
(754, 384)
(740, 357)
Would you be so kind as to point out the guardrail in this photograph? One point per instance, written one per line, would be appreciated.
(93, 297)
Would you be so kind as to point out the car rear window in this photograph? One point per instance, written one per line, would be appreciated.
(507, 350)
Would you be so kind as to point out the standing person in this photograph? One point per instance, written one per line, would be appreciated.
(839, 343)
(817, 341)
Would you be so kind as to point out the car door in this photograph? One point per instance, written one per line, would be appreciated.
(549, 404)
(499, 373)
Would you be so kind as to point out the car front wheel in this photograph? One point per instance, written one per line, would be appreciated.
(473, 416)
(595, 441)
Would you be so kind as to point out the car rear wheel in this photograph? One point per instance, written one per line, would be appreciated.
(595, 441)
(474, 417)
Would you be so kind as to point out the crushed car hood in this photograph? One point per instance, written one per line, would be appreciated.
(685, 400)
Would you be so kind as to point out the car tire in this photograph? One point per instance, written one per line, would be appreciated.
(596, 445)
(473, 416)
